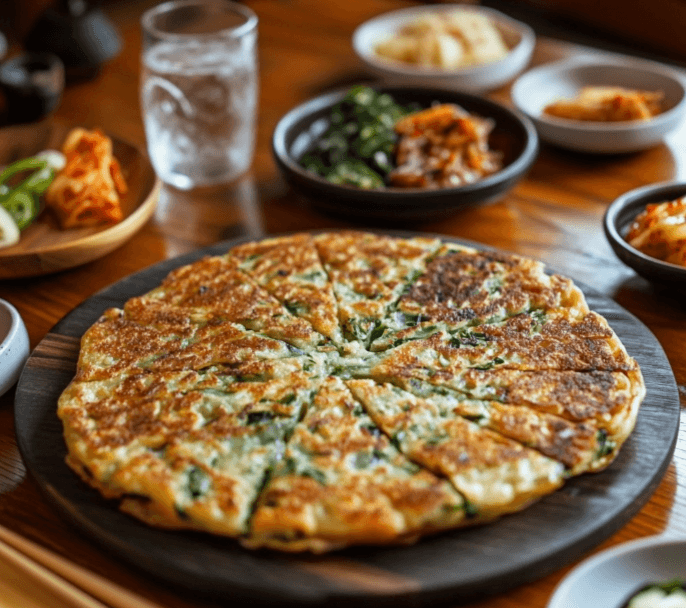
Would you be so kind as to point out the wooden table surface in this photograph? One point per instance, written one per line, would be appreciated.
(554, 214)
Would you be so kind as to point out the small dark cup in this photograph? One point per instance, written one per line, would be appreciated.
(618, 219)
(32, 84)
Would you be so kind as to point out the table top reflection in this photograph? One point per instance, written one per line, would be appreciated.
(554, 214)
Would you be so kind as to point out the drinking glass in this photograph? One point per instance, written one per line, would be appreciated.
(199, 90)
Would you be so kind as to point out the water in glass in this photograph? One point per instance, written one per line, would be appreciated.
(199, 97)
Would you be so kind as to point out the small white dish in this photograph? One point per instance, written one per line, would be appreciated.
(518, 36)
(540, 86)
(608, 579)
(14, 346)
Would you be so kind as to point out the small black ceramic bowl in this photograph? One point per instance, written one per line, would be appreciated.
(618, 218)
(513, 135)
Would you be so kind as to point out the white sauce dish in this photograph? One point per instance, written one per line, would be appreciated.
(14, 346)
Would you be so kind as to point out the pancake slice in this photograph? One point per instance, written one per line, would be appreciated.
(289, 268)
(463, 285)
(494, 474)
(341, 483)
(578, 445)
(216, 289)
(558, 409)
(368, 274)
(525, 342)
(162, 341)
(608, 400)
(178, 449)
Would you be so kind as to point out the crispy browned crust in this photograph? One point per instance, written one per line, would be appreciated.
(216, 288)
(368, 272)
(464, 284)
(289, 268)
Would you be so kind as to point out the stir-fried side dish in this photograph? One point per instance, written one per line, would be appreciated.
(450, 40)
(373, 142)
(87, 191)
(442, 147)
(660, 231)
(608, 104)
(310, 392)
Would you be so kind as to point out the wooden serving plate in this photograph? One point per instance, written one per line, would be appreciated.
(454, 566)
(44, 247)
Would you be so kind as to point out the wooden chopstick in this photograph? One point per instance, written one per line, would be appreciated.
(49, 580)
(84, 589)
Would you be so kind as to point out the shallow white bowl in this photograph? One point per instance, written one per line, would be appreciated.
(519, 37)
(14, 345)
(609, 578)
(540, 86)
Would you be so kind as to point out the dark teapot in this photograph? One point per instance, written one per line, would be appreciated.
(79, 33)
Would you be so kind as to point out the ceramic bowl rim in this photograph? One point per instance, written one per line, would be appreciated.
(16, 323)
(525, 46)
(591, 127)
(14, 348)
(580, 570)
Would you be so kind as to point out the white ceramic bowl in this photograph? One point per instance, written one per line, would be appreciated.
(540, 86)
(14, 345)
(609, 578)
(519, 37)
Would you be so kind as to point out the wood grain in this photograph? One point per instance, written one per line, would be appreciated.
(461, 565)
(79, 587)
(554, 214)
(33, 575)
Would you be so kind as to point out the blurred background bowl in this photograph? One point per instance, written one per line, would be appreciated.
(518, 36)
(618, 218)
(513, 135)
(540, 86)
(608, 579)
(14, 346)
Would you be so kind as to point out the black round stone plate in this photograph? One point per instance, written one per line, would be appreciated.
(451, 567)
(514, 135)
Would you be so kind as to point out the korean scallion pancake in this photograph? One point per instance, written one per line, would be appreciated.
(314, 391)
